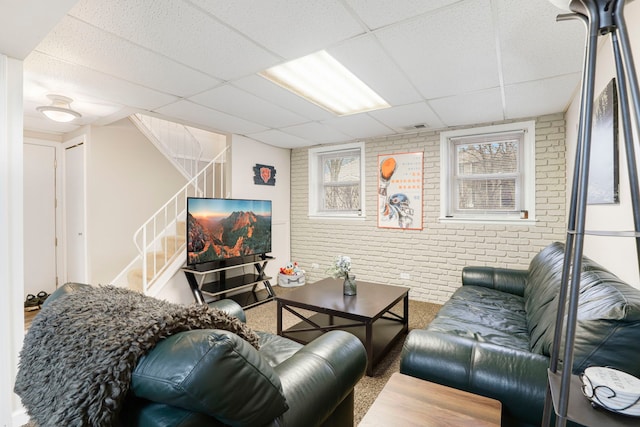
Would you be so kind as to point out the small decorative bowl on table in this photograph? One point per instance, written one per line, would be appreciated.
(612, 389)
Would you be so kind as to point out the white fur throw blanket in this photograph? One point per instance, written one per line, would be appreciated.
(81, 349)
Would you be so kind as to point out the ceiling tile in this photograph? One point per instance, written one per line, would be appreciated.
(380, 13)
(39, 123)
(265, 89)
(180, 31)
(316, 132)
(289, 28)
(537, 48)
(359, 126)
(237, 102)
(470, 108)
(540, 97)
(43, 74)
(447, 52)
(365, 58)
(206, 118)
(121, 114)
(78, 43)
(438, 62)
(91, 109)
(24, 23)
(405, 117)
(280, 139)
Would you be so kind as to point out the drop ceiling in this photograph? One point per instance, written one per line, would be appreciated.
(439, 63)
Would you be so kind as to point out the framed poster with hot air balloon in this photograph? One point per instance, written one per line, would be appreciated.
(400, 190)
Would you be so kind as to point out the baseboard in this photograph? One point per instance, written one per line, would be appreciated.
(19, 418)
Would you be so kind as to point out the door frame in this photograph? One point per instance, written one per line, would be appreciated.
(79, 140)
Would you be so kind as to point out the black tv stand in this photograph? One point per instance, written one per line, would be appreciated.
(220, 286)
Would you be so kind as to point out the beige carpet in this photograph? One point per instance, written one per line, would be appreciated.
(263, 318)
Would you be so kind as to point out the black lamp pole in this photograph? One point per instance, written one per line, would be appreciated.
(601, 17)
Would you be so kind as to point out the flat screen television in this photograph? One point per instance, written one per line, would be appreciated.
(223, 232)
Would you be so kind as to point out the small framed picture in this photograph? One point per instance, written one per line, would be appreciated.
(604, 174)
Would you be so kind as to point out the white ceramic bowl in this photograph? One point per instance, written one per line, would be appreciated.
(612, 389)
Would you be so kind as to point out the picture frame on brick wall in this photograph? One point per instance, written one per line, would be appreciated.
(400, 187)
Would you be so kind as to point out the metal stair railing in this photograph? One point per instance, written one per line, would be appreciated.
(156, 242)
(174, 140)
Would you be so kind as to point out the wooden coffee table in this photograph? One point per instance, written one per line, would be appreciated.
(368, 315)
(408, 401)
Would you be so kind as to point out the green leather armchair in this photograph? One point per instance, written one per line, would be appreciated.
(214, 378)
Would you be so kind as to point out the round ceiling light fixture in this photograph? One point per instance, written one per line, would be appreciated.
(60, 109)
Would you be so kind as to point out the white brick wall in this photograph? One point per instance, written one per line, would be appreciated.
(433, 257)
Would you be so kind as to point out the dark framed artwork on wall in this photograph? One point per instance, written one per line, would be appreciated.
(400, 190)
(264, 175)
(604, 174)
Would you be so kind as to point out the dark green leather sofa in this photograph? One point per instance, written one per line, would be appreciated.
(494, 336)
(214, 378)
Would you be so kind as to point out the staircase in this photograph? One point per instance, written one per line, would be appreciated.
(161, 240)
(174, 140)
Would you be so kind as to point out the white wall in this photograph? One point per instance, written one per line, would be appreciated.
(16, 40)
(616, 253)
(211, 143)
(245, 153)
(11, 237)
(128, 180)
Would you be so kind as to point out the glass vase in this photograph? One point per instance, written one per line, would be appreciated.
(349, 285)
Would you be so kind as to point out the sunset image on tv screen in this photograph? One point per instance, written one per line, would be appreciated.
(219, 229)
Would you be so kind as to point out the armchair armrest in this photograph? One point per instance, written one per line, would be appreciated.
(317, 378)
(502, 279)
(516, 378)
(63, 290)
(231, 307)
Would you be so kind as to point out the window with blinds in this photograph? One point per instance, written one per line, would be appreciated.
(488, 173)
(336, 181)
(340, 181)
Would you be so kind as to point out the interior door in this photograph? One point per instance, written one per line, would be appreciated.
(40, 250)
(75, 233)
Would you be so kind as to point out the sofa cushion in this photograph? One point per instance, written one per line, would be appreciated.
(608, 323)
(214, 372)
(484, 315)
(543, 285)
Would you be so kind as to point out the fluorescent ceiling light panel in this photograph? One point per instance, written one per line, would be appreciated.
(321, 79)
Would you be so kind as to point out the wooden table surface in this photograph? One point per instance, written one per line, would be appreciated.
(408, 401)
(326, 296)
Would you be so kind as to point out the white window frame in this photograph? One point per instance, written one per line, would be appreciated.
(524, 184)
(315, 181)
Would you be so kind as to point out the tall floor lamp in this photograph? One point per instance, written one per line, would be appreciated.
(601, 17)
